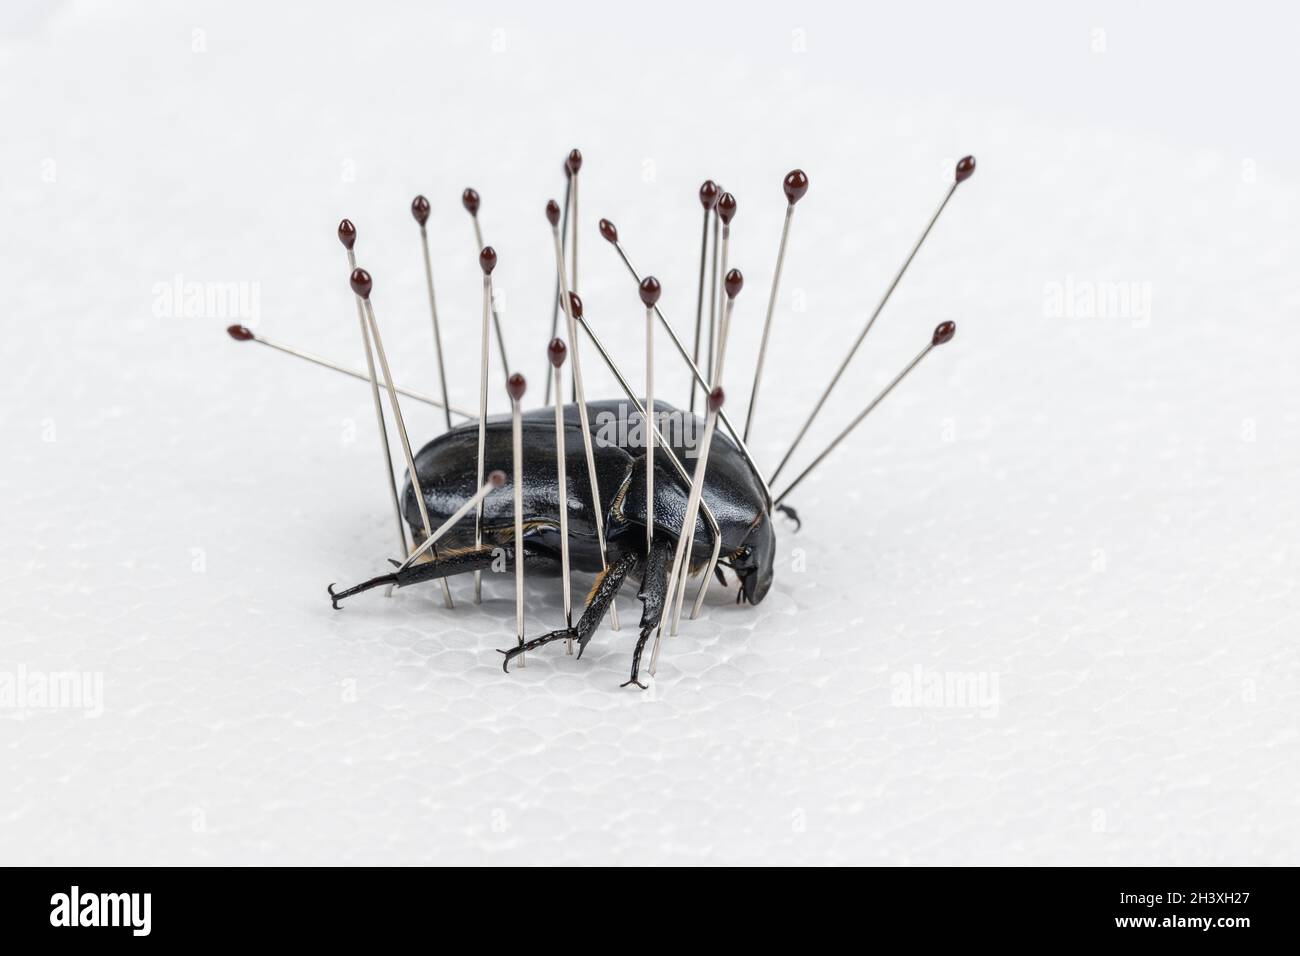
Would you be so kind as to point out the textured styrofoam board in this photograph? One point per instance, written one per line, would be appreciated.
(1096, 512)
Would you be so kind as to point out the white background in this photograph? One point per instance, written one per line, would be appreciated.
(1094, 512)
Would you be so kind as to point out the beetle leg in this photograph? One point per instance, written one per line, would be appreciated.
(653, 595)
(608, 583)
(448, 562)
(532, 645)
(601, 597)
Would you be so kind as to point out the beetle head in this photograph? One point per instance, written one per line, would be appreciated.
(753, 561)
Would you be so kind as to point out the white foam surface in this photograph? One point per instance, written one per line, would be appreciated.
(1091, 516)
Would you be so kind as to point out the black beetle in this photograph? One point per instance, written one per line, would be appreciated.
(447, 465)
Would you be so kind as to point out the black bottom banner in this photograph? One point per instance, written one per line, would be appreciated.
(130, 907)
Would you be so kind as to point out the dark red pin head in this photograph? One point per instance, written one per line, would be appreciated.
(516, 386)
(497, 479)
(709, 194)
(420, 209)
(557, 352)
(574, 162)
(733, 283)
(553, 212)
(726, 208)
(943, 332)
(716, 398)
(650, 291)
(347, 233)
(239, 333)
(361, 283)
(487, 260)
(795, 185)
(608, 230)
(575, 305)
(469, 199)
(965, 168)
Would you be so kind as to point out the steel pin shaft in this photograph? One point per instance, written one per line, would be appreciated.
(378, 403)
(401, 432)
(556, 353)
(442, 529)
(437, 334)
(580, 399)
(767, 321)
(942, 333)
(244, 334)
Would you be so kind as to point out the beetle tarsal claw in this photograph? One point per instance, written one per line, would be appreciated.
(633, 681)
(334, 598)
(535, 643)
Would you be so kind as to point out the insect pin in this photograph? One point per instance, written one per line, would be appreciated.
(574, 165)
(726, 210)
(555, 354)
(347, 233)
(487, 260)
(516, 386)
(471, 200)
(795, 186)
(650, 291)
(562, 221)
(708, 199)
(420, 213)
